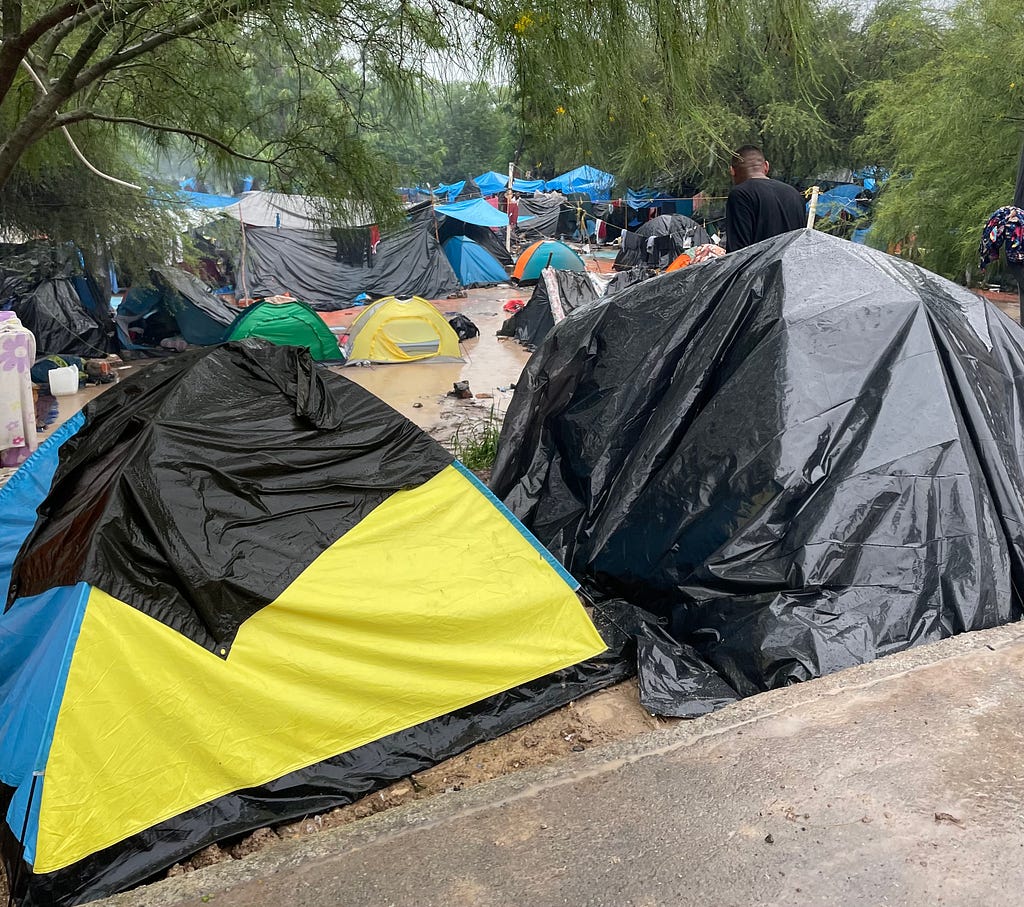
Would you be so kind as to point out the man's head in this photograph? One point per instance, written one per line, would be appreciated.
(748, 162)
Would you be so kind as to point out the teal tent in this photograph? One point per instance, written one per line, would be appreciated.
(472, 263)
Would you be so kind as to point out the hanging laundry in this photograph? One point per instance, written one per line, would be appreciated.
(1005, 229)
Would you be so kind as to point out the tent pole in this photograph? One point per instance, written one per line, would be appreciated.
(812, 210)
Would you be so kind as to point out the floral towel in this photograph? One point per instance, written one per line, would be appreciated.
(17, 410)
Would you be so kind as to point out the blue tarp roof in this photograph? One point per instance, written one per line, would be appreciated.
(472, 263)
(451, 190)
(474, 211)
(491, 182)
(528, 185)
(206, 200)
(586, 179)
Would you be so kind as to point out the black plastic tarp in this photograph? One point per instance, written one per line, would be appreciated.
(658, 242)
(543, 212)
(556, 294)
(799, 457)
(560, 292)
(37, 284)
(482, 236)
(407, 262)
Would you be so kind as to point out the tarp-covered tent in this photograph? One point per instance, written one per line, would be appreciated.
(46, 286)
(288, 323)
(545, 254)
(801, 456)
(840, 200)
(277, 602)
(395, 330)
(476, 220)
(556, 295)
(658, 242)
(539, 216)
(330, 269)
(176, 303)
(473, 265)
(290, 249)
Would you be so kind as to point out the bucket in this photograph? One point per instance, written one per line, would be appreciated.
(63, 381)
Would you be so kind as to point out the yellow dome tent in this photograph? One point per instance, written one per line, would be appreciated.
(401, 330)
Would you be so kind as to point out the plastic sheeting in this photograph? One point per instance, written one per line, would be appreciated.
(475, 211)
(658, 242)
(556, 295)
(491, 182)
(36, 283)
(799, 457)
(539, 216)
(407, 262)
(586, 180)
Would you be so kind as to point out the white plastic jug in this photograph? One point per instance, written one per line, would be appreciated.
(64, 381)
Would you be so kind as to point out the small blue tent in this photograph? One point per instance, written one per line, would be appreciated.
(472, 263)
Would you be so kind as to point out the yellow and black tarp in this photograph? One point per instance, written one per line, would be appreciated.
(248, 580)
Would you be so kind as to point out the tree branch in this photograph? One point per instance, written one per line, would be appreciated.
(13, 48)
(181, 30)
(80, 116)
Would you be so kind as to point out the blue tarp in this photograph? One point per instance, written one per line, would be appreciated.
(586, 180)
(528, 185)
(491, 182)
(474, 211)
(451, 190)
(472, 263)
(839, 200)
(206, 200)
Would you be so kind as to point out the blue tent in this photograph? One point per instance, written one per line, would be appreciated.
(586, 180)
(472, 263)
(474, 211)
(491, 182)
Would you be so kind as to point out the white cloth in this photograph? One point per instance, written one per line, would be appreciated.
(17, 408)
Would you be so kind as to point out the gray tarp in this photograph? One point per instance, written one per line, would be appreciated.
(407, 262)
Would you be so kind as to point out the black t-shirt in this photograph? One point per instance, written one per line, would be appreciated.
(759, 209)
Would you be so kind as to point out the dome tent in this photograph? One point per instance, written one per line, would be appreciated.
(401, 330)
(289, 323)
(472, 263)
(339, 626)
(548, 253)
(801, 456)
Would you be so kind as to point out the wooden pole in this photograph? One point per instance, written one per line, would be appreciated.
(508, 207)
(813, 209)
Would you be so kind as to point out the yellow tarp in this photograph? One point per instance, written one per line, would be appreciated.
(432, 602)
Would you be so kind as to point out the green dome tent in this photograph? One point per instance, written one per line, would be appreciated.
(291, 323)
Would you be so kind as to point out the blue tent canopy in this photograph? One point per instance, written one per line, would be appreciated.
(586, 180)
(472, 263)
(491, 182)
(474, 211)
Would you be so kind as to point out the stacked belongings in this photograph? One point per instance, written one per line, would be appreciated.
(253, 592)
(799, 457)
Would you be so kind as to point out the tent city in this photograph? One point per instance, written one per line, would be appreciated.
(511, 453)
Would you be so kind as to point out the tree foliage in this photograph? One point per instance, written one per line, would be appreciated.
(949, 126)
(128, 78)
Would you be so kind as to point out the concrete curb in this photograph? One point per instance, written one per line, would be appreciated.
(288, 855)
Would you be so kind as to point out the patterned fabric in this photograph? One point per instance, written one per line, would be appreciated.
(1005, 229)
(17, 409)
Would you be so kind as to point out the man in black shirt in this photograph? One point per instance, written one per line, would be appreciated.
(758, 207)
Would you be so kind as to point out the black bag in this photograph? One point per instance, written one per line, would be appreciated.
(464, 327)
